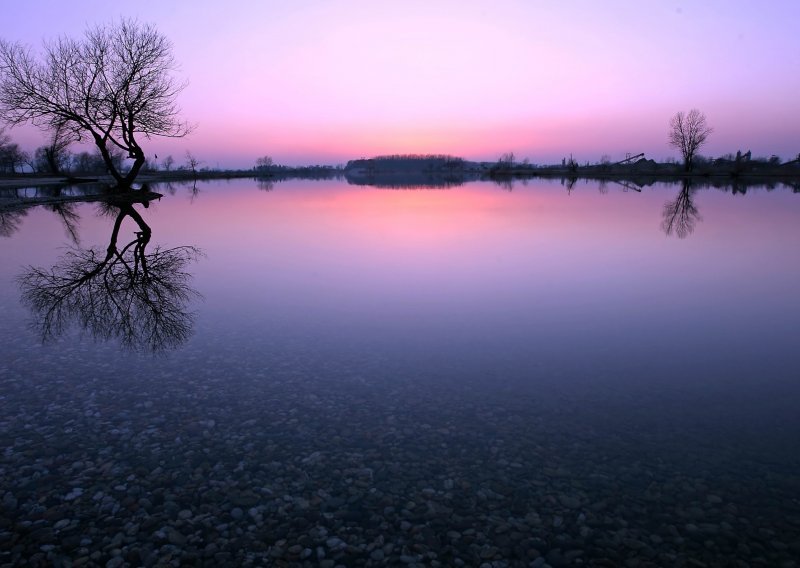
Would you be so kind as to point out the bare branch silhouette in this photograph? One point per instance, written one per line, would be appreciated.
(114, 86)
(10, 220)
(124, 293)
(69, 217)
(687, 132)
(54, 157)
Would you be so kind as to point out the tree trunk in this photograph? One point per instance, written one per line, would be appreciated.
(51, 161)
(134, 171)
(101, 145)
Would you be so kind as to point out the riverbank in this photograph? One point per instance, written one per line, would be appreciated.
(38, 180)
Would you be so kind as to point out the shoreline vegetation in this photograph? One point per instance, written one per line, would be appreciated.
(56, 195)
(414, 171)
(632, 168)
(410, 171)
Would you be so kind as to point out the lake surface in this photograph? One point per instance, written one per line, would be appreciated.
(360, 376)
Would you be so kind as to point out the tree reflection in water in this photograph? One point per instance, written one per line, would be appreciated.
(69, 218)
(126, 292)
(10, 220)
(681, 214)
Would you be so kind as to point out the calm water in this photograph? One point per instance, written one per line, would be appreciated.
(366, 376)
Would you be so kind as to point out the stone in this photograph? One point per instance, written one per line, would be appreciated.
(569, 501)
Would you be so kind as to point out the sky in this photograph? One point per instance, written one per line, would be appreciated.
(310, 82)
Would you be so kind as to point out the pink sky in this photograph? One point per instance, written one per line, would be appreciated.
(323, 82)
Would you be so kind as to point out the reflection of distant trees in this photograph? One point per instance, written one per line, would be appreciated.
(569, 183)
(10, 220)
(265, 184)
(127, 292)
(506, 183)
(681, 214)
(69, 218)
(403, 181)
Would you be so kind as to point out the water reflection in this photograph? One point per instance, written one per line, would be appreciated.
(69, 218)
(265, 184)
(681, 214)
(10, 220)
(127, 293)
(407, 182)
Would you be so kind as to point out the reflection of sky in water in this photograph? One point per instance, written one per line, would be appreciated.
(478, 272)
(482, 274)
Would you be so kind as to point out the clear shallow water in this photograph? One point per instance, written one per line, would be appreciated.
(463, 375)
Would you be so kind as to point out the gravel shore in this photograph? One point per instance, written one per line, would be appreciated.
(301, 461)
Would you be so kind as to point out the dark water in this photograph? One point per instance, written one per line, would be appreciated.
(359, 376)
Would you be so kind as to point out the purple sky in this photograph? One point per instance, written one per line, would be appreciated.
(322, 82)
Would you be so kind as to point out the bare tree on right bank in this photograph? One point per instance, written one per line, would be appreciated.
(687, 132)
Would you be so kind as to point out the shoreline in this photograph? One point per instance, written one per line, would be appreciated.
(51, 185)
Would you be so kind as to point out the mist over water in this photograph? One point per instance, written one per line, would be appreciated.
(453, 375)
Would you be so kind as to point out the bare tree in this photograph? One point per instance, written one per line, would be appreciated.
(54, 157)
(114, 85)
(11, 156)
(687, 132)
(56, 154)
(506, 159)
(264, 163)
(168, 162)
(192, 162)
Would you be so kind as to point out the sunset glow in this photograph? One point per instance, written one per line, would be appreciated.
(324, 82)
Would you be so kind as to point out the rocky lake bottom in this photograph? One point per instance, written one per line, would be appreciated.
(307, 461)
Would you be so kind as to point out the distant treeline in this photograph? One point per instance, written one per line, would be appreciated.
(397, 163)
(727, 165)
(301, 172)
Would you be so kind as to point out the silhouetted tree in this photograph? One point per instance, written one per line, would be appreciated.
(506, 159)
(687, 132)
(54, 157)
(11, 156)
(114, 85)
(192, 162)
(681, 214)
(168, 162)
(85, 162)
(94, 163)
(124, 293)
(264, 163)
